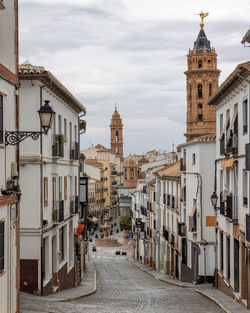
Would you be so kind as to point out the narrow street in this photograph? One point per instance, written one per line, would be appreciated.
(122, 287)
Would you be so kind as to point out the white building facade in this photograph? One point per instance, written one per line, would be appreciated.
(50, 183)
(232, 182)
(197, 212)
(9, 208)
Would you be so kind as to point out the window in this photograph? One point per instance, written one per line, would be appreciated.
(193, 158)
(70, 131)
(228, 257)
(65, 187)
(210, 90)
(126, 173)
(208, 61)
(1, 119)
(117, 150)
(131, 173)
(1, 246)
(54, 192)
(60, 188)
(199, 90)
(65, 128)
(117, 136)
(244, 182)
(221, 123)
(59, 124)
(245, 113)
(199, 64)
(76, 189)
(200, 117)
(45, 191)
(76, 139)
(199, 106)
(61, 244)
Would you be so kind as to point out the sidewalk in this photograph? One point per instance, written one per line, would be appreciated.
(87, 287)
(226, 303)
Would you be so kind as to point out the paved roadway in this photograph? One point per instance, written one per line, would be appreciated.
(123, 288)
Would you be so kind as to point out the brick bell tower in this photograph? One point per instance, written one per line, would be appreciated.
(116, 128)
(202, 81)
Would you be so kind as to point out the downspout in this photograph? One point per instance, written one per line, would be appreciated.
(41, 191)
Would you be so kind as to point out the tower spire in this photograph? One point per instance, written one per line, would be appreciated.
(202, 16)
(116, 128)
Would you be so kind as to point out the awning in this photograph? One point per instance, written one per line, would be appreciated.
(228, 163)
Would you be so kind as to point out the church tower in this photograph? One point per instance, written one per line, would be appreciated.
(116, 134)
(202, 81)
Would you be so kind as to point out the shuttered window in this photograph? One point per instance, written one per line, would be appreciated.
(1, 246)
(1, 119)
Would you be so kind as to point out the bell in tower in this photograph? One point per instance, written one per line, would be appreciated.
(202, 80)
(116, 129)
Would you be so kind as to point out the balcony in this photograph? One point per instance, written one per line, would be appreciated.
(74, 150)
(58, 149)
(58, 212)
(182, 229)
(73, 209)
(229, 207)
(114, 173)
(173, 202)
(182, 165)
(113, 193)
(113, 183)
(145, 189)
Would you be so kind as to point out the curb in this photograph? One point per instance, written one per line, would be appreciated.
(86, 294)
(160, 279)
(222, 306)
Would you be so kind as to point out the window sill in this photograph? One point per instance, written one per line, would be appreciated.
(244, 133)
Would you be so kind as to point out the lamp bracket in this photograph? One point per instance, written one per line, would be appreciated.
(15, 137)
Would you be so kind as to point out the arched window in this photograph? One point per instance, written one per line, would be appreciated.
(126, 173)
(117, 150)
(117, 136)
(210, 90)
(199, 64)
(131, 173)
(190, 92)
(200, 106)
(199, 89)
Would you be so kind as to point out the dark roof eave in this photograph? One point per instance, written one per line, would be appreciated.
(63, 90)
(215, 97)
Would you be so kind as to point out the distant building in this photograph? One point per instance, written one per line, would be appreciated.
(116, 129)
(202, 81)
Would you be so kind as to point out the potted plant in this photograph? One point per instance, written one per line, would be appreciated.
(94, 249)
(124, 253)
(102, 235)
(96, 236)
(117, 252)
(126, 224)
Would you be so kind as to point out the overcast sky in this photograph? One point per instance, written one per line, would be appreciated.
(133, 53)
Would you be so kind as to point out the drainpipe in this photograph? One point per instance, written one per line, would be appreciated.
(41, 192)
(248, 246)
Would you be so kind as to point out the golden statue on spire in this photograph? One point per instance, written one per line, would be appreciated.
(202, 16)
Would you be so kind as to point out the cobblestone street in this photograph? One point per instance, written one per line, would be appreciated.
(122, 287)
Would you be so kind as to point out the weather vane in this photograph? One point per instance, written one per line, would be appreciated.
(116, 106)
(202, 16)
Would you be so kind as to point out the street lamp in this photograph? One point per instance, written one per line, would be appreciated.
(46, 115)
(214, 199)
